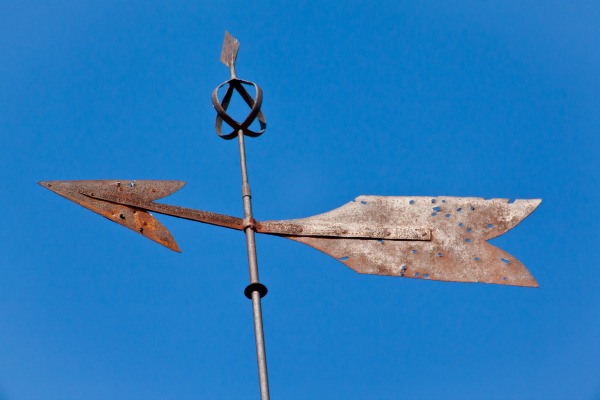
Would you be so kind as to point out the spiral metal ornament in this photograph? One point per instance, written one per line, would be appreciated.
(236, 84)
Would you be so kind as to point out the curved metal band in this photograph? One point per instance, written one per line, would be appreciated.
(254, 104)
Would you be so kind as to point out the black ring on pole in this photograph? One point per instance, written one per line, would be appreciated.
(255, 287)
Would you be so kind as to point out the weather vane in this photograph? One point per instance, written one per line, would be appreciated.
(430, 238)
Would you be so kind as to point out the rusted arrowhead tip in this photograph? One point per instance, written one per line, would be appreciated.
(131, 217)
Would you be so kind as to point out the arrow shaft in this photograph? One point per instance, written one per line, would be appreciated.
(191, 214)
(343, 230)
(282, 228)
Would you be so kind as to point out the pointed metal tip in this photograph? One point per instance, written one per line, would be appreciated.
(528, 282)
(533, 284)
(229, 52)
(170, 244)
(535, 203)
(49, 185)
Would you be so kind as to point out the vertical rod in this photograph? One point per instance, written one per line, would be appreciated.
(261, 356)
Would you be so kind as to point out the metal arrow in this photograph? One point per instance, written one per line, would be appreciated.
(432, 238)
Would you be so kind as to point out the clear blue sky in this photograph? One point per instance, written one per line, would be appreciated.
(489, 99)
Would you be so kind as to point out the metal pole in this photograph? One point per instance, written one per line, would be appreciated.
(255, 290)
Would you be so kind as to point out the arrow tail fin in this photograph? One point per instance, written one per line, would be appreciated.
(456, 252)
(482, 263)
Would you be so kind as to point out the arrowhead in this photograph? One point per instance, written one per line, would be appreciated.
(230, 50)
(130, 217)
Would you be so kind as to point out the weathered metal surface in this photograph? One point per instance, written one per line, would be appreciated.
(436, 238)
(206, 217)
(138, 195)
(127, 203)
(348, 221)
(457, 251)
(134, 218)
(229, 52)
